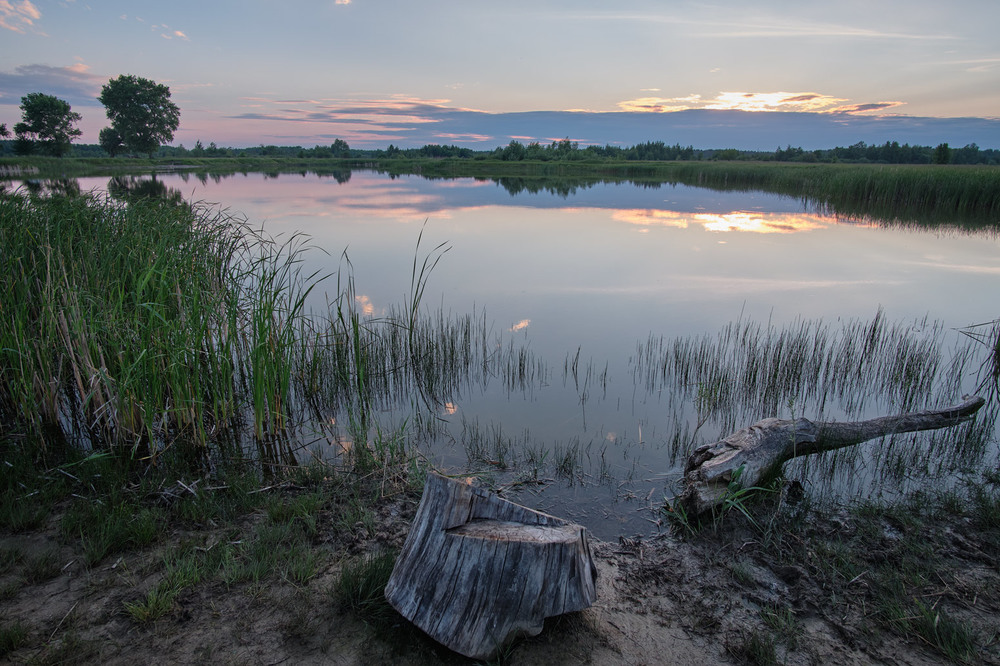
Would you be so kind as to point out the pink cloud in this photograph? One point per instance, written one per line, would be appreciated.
(17, 16)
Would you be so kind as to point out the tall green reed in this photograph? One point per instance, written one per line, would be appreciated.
(146, 325)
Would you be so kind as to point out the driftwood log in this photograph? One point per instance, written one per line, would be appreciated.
(477, 571)
(754, 454)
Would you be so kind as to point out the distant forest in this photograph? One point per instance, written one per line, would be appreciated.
(890, 152)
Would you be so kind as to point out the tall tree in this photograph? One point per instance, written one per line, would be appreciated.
(942, 154)
(47, 121)
(110, 141)
(140, 112)
(339, 148)
(4, 133)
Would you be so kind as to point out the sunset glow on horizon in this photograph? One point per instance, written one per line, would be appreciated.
(246, 74)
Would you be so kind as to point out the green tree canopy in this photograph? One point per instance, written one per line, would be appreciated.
(140, 112)
(339, 148)
(47, 121)
(942, 154)
(110, 141)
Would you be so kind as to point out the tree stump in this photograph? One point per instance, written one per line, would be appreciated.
(477, 571)
(753, 454)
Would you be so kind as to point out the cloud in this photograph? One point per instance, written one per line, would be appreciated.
(776, 101)
(745, 221)
(464, 138)
(166, 32)
(972, 65)
(412, 122)
(772, 27)
(660, 104)
(395, 114)
(743, 101)
(73, 83)
(795, 29)
(18, 16)
(851, 109)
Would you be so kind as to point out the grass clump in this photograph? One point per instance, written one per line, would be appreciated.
(285, 549)
(361, 588)
(754, 647)
(12, 636)
(105, 529)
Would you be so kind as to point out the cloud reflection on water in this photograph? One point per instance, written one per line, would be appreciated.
(737, 220)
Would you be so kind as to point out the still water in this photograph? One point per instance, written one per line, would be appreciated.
(583, 277)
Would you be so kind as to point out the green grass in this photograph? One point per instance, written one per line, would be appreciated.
(782, 621)
(107, 528)
(892, 561)
(12, 636)
(157, 603)
(158, 328)
(361, 588)
(754, 647)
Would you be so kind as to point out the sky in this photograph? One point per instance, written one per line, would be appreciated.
(480, 74)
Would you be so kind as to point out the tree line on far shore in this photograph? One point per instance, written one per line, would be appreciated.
(143, 121)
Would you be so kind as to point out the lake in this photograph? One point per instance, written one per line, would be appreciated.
(593, 283)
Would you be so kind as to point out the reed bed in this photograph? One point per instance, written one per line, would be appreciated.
(839, 370)
(117, 328)
(147, 326)
(886, 193)
(753, 370)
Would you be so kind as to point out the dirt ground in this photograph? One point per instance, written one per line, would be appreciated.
(661, 600)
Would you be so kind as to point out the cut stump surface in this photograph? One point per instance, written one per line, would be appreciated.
(477, 571)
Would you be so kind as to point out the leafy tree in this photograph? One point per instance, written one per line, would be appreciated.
(110, 141)
(48, 121)
(140, 112)
(513, 152)
(339, 148)
(4, 132)
(942, 154)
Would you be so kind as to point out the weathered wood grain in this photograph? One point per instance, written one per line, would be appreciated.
(477, 571)
(759, 450)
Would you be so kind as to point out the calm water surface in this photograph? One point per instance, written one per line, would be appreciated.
(592, 274)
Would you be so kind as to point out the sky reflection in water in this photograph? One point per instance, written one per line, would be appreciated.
(598, 272)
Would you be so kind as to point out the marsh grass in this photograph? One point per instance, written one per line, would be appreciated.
(153, 327)
(988, 335)
(887, 193)
(825, 371)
